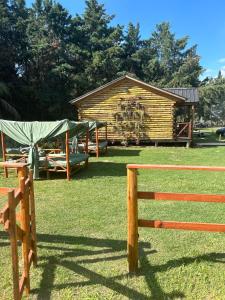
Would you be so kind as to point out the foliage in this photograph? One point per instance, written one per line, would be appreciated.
(212, 100)
(178, 66)
(7, 111)
(103, 45)
(49, 57)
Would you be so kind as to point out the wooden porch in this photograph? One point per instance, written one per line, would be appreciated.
(183, 134)
(183, 130)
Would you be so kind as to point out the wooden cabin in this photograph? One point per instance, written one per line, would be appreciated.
(139, 112)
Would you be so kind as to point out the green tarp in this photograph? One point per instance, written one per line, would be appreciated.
(32, 133)
(93, 125)
(96, 124)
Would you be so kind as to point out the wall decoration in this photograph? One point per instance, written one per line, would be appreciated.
(129, 119)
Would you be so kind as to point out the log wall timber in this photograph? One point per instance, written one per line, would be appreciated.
(159, 111)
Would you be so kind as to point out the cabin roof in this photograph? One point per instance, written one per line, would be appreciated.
(179, 95)
(190, 94)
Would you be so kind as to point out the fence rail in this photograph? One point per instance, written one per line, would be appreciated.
(20, 226)
(133, 195)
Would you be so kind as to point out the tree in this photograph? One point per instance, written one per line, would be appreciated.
(212, 99)
(131, 45)
(102, 45)
(7, 111)
(49, 69)
(177, 65)
(7, 50)
(19, 18)
(11, 55)
(48, 57)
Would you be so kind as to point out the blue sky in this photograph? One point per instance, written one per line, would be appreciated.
(202, 20)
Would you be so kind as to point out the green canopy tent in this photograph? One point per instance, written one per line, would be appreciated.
(96, 124)
(32, 133)
(94, 127)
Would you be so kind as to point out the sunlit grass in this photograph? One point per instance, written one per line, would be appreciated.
(82, 231)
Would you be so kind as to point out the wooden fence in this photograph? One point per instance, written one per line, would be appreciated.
(133, 194)
(19, 222)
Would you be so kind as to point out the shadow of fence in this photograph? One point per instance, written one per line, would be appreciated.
(67, 254)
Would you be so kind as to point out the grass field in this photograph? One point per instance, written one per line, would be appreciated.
(81, 229)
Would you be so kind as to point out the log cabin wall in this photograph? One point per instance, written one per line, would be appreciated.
(158, 121)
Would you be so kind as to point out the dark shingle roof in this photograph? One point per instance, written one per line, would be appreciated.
(190, 94)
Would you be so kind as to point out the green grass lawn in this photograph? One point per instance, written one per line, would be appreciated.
(81, 229)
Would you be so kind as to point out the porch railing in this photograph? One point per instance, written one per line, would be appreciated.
(183, 130)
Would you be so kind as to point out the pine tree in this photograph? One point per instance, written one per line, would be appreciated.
(10, 58)
(47, 57)
(7, 50)
(219, 76)
(103, 45)
(131, 45)
(49, 68)
(178, 66)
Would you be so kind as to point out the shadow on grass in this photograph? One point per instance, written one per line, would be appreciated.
(118, 151)
(123, 152)
(3, 237)
(149, 271)
(102, 169)
(111, 250)
(94, 169)
(74, 260)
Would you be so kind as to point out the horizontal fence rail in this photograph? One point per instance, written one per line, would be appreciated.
(133, 195)
(18, 219)
(181, 197)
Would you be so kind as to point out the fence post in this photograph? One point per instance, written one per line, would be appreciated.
(25, 225)
(33, 222)
(13, 243)
(132, 209)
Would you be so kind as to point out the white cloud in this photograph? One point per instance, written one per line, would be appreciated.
(222, 60)
(223, 71)
(209, 71)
